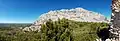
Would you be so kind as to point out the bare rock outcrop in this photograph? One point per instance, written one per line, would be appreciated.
(77, 14)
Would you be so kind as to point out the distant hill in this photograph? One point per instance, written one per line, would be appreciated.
(14, 24)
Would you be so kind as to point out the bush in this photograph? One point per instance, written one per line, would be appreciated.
(67, 30)
(61, 30)
(56, 31)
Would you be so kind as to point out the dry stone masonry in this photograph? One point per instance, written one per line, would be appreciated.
(115, 20)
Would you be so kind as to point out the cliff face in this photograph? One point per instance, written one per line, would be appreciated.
(77, 14)
(115, 20)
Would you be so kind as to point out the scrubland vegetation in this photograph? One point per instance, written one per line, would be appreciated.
(61, 30)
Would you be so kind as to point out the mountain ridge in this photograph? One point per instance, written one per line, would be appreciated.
(76, 14)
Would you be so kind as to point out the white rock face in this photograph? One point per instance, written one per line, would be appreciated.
(77, 14)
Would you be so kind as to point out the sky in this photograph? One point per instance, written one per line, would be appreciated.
(27, 11)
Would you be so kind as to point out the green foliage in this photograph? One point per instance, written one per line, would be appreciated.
(61, 30)
(14, 25)
(67, 30)
(57, 31)
(18, 35)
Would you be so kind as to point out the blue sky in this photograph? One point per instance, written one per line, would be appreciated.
(27, 11)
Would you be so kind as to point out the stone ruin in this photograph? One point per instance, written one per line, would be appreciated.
(115, 21)
(114, 27)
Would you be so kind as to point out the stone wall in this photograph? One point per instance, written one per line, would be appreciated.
(115, 20)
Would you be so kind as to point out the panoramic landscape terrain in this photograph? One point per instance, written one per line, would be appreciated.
(55, 20)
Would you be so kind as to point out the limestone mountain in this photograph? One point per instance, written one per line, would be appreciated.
(76, 14)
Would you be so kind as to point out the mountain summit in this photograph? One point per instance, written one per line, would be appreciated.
(77, 14)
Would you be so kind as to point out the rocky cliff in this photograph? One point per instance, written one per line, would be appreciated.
(76, 14)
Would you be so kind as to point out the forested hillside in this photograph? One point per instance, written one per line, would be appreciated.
(61, 30)
(14, 24)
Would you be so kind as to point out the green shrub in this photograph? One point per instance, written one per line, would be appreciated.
(67, 30)
(57, 31)
(61, 30)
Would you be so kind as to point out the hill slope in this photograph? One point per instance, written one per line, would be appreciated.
(77, 14)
